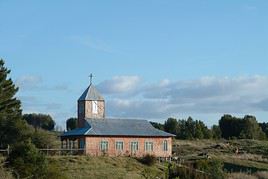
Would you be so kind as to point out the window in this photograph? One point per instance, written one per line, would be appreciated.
(95, 107)
(165, 145)
(104, 146)
(134, 146)
(119, 145)
(81, 143)
(148, 146)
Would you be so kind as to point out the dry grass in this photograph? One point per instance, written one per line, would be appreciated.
(241, 176)
(105, 167)
(257, 175)
(262, 175)
(4, 173)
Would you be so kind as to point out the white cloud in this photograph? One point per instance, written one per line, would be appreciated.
(120, 84)
(209, 95)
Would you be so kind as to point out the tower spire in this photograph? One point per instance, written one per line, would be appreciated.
(90, 76)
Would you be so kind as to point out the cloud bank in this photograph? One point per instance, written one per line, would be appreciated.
(128, 96)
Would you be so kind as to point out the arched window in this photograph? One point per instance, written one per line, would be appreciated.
(165, 145)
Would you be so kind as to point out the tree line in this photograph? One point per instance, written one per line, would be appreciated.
(229, 127)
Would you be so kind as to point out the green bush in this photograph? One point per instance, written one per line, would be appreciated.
(213, 167)
(27, 161)
(202, 169)
(148, 159)
(45, 139)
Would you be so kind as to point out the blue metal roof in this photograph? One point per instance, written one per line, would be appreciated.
(91, 93)
(118, 127)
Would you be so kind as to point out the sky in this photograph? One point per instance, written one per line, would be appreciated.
(151, 59)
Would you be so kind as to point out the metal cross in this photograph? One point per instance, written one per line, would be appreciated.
(90, 76)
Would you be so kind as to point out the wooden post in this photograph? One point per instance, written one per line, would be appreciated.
(61, 144)
(74, 144)
(66, 144)
(8, 150)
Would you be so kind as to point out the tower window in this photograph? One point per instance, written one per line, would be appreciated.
(94, 107)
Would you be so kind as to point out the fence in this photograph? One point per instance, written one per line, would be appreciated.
(62, 151)
(5, 151)
(48, 151)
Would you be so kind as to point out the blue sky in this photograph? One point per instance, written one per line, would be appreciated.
(151, 59)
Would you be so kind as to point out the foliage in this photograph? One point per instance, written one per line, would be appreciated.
(213, 167)
(9, 105)
(243, 128)
(264, 127)
(216, 132)
(201, 169)
(26, 160)
(43, 121)
(171, 125)
(187, 129)
(148, 159)
(12, 128)
(157, 125)
(71, 123)
(45, 139)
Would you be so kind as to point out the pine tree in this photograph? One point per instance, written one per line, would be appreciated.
(12, 128)
(9, 104)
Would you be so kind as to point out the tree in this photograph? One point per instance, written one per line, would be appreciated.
(230, 126)
(243, 128)
(12, 128)
(43, 121)
(216, 132)
(251, 129)
(157, 125)
(45, 139)
(9, 104)
(264, 127)
(171, 126)
(28, 161)
(71, 123)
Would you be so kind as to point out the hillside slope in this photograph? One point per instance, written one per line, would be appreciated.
(105, 167)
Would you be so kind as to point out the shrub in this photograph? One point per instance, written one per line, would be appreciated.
(27, 161)
(213, 167)
(148, 159)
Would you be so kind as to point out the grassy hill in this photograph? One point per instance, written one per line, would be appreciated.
(105, 167)
(249, 156)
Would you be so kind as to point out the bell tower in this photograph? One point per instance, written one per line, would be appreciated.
(90, 105)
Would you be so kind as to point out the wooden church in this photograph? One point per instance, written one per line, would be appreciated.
(97, 135)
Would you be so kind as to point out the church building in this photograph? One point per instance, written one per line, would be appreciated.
(97, 135)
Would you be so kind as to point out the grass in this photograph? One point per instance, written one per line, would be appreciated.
(105, 167)
(253, 154)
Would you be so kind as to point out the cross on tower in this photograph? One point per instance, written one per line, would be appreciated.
(90, 76)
